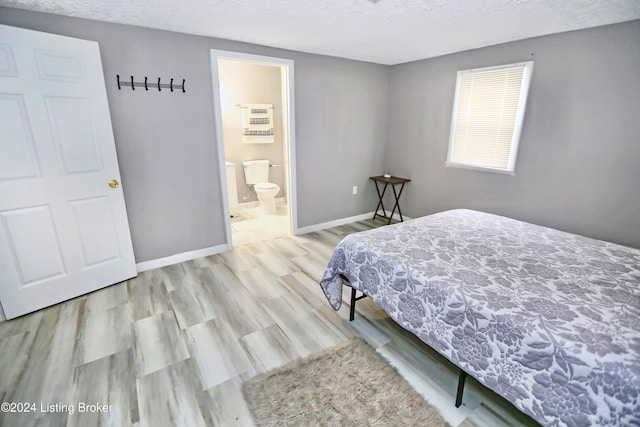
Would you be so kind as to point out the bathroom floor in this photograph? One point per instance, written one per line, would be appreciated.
(250, 224)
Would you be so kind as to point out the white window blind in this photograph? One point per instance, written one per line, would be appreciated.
(487, 116)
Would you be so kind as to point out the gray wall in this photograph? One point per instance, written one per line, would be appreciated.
(166, 142)
(247, 83)
(341, 127)
(578, 166)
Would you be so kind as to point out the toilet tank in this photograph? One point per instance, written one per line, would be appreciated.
(256, 171)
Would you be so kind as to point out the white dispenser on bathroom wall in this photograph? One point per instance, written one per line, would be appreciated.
(232, 188)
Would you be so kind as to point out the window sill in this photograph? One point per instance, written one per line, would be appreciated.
(480, 168)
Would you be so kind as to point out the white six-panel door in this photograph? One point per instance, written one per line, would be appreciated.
(63, 229)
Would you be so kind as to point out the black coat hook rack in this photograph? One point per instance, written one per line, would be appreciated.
(146, 85)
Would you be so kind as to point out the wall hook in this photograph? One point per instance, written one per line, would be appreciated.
(146, 84)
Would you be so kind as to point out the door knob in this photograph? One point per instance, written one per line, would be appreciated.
(114, 183)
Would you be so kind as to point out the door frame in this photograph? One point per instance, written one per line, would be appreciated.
(288, 131)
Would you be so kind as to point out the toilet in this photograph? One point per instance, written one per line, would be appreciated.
(256, 174)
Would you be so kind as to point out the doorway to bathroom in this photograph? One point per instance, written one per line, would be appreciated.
(254, 118)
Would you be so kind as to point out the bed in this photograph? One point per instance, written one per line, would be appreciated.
(549, 320)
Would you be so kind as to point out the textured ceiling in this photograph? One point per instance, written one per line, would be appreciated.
(382, 31)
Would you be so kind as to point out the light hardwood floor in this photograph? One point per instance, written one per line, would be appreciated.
(172, 346)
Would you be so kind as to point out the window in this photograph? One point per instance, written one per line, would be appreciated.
(487, 117)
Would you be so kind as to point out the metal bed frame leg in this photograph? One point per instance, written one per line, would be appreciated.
(463, 376)
(352, 309)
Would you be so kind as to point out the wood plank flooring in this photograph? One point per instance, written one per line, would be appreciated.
(172, 346)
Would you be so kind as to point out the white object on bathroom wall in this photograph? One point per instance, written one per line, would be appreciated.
(257, 123)
(232, 189)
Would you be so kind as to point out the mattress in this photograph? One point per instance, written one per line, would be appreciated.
(549, 320)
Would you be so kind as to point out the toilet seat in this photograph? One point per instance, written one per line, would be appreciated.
(265, 186)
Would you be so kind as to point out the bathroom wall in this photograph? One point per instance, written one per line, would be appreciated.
(245, 83)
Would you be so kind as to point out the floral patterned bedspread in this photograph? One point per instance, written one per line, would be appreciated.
(547, 319)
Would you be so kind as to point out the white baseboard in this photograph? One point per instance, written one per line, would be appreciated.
(334, 223)
(343, 221)
(184, 256)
